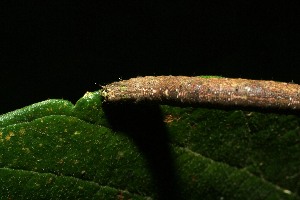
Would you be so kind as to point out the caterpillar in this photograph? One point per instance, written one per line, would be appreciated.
(205, 91)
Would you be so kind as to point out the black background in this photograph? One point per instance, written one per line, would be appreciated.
(62, 50)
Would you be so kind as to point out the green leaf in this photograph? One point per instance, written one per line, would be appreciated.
(32, 185)
(57, 150)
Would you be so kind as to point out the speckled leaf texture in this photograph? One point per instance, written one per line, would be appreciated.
(57, 150)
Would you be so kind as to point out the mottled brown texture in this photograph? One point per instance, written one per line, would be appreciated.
(214, 91)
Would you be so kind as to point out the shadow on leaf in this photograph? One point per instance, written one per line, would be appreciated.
(144, 124)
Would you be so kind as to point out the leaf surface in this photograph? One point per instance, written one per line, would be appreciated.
(54, 149)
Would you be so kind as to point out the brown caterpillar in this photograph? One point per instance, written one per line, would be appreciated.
(207, 91)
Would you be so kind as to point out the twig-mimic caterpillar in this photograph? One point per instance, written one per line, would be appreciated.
(208, 91)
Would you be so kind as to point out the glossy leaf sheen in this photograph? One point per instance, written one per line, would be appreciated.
(54, 149)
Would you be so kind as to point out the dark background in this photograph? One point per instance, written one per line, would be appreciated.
(62, 50)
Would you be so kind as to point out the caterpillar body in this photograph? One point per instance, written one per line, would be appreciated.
(208, 91)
